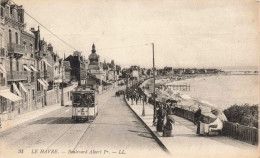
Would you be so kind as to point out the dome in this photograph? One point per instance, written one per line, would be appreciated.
(93, 57)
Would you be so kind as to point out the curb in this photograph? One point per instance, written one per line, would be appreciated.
(151, 132)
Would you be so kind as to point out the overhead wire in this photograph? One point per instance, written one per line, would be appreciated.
(47, 29)
(69, 45)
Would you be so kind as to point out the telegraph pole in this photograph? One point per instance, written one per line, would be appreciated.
(154, 107)
(62, 99)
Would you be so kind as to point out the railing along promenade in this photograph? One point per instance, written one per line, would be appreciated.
(233, 130)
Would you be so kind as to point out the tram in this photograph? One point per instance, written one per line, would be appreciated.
(84, 104)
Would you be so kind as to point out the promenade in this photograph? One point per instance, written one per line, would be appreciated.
(185, 141)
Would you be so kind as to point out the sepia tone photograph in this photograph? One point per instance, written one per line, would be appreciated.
(129, 78)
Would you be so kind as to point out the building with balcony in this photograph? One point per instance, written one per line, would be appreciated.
(53, 72)
(78, 67)
(42, 65)
(67, 71)
(11, 62)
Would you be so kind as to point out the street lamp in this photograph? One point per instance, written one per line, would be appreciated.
(132, 103)
(154, 107)
(62, 99)
(143, 114)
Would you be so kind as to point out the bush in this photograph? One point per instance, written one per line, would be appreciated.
(243, 114)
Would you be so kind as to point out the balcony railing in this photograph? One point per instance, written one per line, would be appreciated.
(32, 76)
(46, 74)
(40, 74)
(16, 75)
(41, 54)
(16, 49)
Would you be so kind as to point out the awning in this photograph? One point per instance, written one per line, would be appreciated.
(2, 68)
(68, 89)
(22, 86)
(46, 62)
(46, 83)
(16, 89)
(27, 68)
(11, 96)
(33, 68)
(41, 82)
(58, 81)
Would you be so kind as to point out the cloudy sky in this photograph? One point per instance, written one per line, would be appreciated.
(186, 33)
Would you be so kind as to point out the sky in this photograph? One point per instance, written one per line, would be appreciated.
(186, 33)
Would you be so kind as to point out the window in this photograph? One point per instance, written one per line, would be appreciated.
(2, 79)
(16, 38)
(31, 47)
(25, 47)
(2, 12)
(10, 36)
(7, 11)
(17, 65)
(3, 104)
(33, 94)
(38, 86)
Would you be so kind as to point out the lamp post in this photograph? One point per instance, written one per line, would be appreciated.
(143, 114)
(154, 107)
(62, 99)
(132, 97)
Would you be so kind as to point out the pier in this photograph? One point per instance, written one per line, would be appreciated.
(183, 87)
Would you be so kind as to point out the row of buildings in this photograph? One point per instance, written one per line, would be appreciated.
(92, 71)
(29, 68)
(27, 64)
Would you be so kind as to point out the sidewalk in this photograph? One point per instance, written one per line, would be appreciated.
(186, 143)
(20, 119)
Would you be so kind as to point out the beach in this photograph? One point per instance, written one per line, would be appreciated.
(223, 90)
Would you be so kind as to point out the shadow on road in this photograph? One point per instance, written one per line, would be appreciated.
(138, 131)
(55, 120)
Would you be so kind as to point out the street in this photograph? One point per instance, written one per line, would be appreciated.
(116, 130)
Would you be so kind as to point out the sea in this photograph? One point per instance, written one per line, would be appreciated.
(224, 90)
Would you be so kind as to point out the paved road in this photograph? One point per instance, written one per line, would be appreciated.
(115, 130)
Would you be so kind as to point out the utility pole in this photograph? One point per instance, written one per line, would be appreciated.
(143, 113)
(132, 92)
(62, 71)
(154, 107)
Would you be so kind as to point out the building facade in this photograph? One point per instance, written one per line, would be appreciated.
(95, 68)
(78, 67)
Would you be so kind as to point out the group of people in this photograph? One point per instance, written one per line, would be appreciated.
(163, 110)
(136, 95)
(164, 122)
(204, 128)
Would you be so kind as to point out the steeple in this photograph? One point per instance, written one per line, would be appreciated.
(93, 48)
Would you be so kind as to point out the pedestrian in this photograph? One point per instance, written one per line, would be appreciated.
(127, 96)
(197, 114)
(145, 99)
(199, 125)
(167, 128)
(160, 122)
